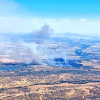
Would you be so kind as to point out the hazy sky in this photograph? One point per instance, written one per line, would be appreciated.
(74, 16)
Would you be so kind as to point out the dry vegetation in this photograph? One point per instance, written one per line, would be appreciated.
(41, 82)
(63, 91)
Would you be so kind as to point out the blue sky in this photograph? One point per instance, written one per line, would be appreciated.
(62, 8)
(75, 16)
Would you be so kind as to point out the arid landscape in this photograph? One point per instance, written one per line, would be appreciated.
(70, 71)
(49, 49)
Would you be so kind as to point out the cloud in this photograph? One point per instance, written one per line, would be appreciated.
(83, 19)
(26, 25)
(8, 7)
(16, 19)
(49, 19)
(18, 25)
(66, 19)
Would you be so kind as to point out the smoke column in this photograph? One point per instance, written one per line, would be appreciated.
(22, 51)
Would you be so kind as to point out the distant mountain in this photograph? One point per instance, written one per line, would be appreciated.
(68, 34)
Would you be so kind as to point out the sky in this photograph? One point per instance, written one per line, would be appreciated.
(74, 16)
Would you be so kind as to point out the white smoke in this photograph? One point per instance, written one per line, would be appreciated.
(42, 34)
(27, 52)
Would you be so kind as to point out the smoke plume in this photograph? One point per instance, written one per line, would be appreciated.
(18, 49)
(42, 34)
